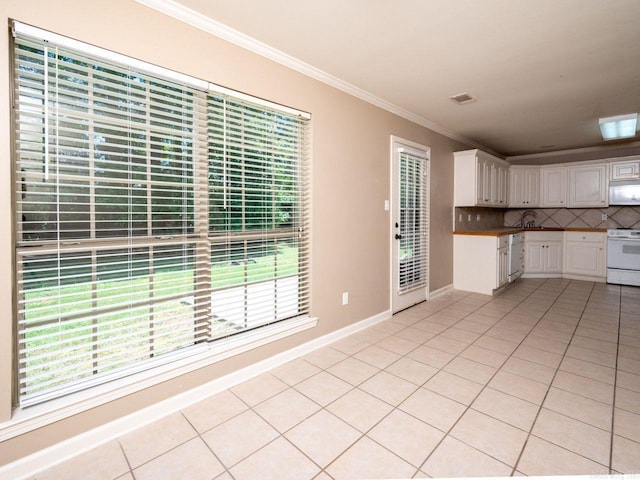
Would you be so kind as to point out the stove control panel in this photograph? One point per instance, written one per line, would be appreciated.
(624, 233)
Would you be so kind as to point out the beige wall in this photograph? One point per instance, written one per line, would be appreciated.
(350, 238)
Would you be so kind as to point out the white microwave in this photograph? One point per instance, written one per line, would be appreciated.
(625, 192)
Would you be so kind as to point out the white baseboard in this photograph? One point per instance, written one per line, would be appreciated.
(441, 291)
(541, 275)
(58, 453)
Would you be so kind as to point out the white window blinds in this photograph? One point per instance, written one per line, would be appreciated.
(413, 221)
(151, 217)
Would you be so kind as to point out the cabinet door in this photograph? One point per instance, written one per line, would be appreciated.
(553, 257)
(517, 191)
(585, 259)
(503, 266)
(625, 170)
(493, 185)
(534, 257)
(503, 182)
(483, 178)
(525, 187)
(553, 183)
(588, 186)
(532, 196)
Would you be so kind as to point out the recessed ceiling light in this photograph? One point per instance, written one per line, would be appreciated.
(620, 126)
(462, 98)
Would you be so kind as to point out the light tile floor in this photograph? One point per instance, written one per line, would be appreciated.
(541, 380)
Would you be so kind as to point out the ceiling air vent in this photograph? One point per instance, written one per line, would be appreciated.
(463, 98)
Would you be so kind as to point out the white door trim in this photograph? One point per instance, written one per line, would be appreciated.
(419, 150)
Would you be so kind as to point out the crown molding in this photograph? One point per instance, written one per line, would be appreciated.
(633, 148)
(202, 22)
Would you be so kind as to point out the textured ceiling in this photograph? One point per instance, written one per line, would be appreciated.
(542, 71)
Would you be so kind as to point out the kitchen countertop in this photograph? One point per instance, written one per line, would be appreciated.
(497, 232)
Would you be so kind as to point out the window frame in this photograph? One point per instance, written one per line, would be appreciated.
(172, 365)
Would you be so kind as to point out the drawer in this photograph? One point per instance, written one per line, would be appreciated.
(503, 241)
(543, 236)
(590, 237)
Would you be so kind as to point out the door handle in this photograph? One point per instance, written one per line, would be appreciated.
(398, 236)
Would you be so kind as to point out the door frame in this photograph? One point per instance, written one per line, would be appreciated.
(395, 143)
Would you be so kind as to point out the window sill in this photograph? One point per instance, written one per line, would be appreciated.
(30, 418)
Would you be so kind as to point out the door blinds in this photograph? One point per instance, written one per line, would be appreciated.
(151, 217)
(414, 219)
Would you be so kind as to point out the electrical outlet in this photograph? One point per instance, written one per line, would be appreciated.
(468, 217)
(477, 217)
(460, 218)
(604, 217)
(345, 298)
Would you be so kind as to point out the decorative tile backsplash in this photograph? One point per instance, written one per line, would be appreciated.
(578, 217)
(478, 218)
(466, 218)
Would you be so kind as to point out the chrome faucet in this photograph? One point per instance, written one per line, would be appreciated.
(530, 224)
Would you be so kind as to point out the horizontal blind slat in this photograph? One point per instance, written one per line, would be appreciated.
(145, 205)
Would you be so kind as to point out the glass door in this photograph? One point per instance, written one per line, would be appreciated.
(410, 225)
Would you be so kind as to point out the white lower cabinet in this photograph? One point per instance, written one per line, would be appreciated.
(543, 254)
(585, 255)
(503, 266)
(480, 263)
(577, 255)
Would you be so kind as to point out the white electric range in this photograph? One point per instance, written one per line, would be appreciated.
(623, 256)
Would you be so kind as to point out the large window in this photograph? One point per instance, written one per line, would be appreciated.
(152, 215)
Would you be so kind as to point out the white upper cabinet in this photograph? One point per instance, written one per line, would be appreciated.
(503, 185)
(480, 179)
(625, 170)
(553, 186)
(524, 187)
(588, 186)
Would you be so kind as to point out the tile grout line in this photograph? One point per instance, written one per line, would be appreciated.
(126, 458)
(381, 370)
(468, 407)
(535, 419)
(396, 407)
(354, 387)
(384, 369)
(615, 383)
(593, 294)
(199, 435)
